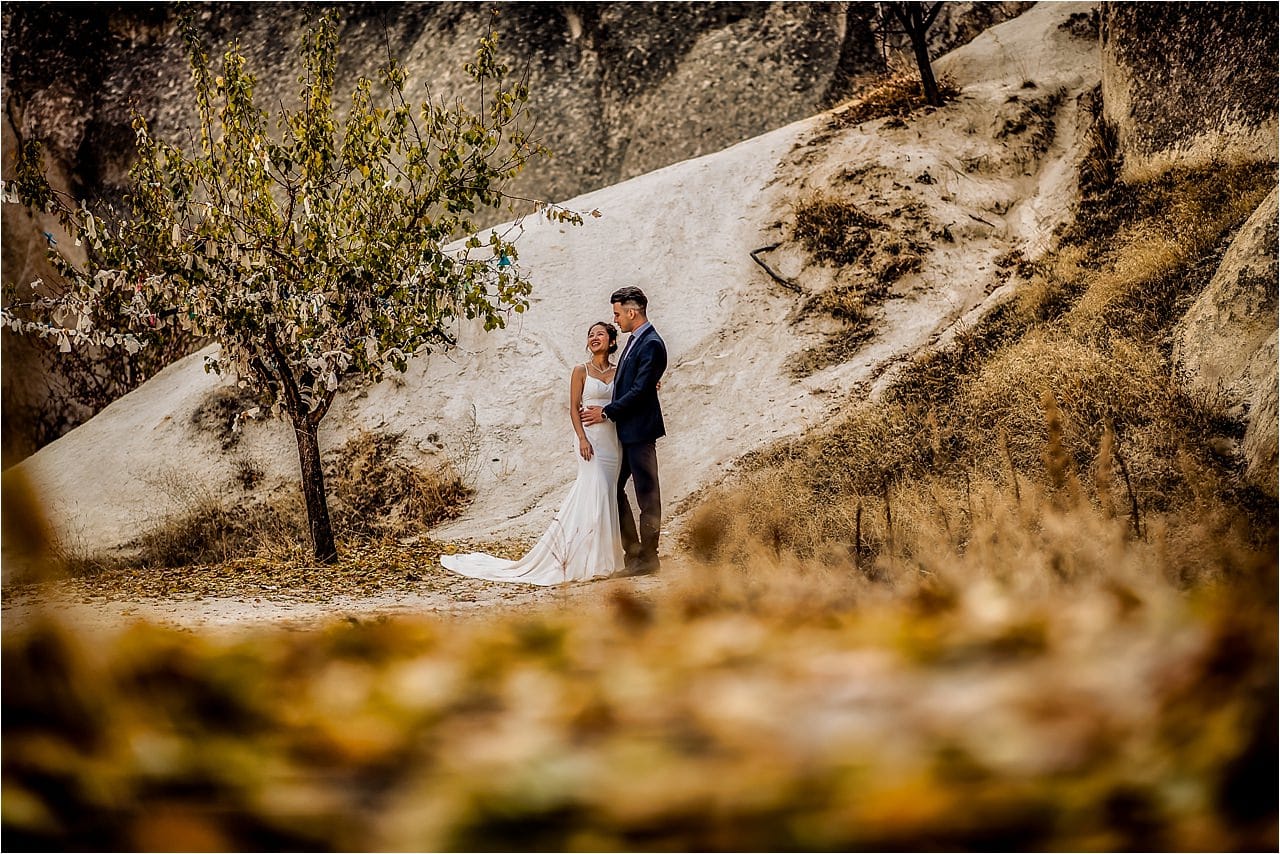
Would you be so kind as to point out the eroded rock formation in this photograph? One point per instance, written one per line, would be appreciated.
(1225, 346)
(1190, 83)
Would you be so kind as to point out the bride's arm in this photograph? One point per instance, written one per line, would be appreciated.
(576, 381)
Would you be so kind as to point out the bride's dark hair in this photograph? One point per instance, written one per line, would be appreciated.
(612, 332)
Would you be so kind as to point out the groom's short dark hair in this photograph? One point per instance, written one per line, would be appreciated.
(631, 294)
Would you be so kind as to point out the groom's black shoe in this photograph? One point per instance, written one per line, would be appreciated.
(641, 566)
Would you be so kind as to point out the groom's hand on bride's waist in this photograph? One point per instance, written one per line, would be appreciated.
(592, 415)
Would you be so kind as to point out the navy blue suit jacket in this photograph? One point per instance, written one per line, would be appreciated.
(635, 408)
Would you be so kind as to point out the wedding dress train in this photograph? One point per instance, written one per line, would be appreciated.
(583, 540)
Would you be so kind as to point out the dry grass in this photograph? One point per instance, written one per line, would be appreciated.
(208, 533)
(836, 349)
(1153, 241)
(376, 493)
(1055, 284)
(899, 96)
(834, 231)
(373, 495)
(871, 256)
(1066, 389)
(1101, 164)
(936, 625)
(852, 304)
(1137, 252)
(1125, 387)
(839, 232)
(202, 529)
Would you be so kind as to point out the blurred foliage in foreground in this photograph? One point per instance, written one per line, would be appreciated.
(789, 706)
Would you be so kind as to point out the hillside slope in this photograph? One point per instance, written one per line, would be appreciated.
(1001, 161)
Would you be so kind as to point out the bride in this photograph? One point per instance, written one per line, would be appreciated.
(584, 539)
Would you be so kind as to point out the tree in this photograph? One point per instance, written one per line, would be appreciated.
(325, 249)
(916, 18)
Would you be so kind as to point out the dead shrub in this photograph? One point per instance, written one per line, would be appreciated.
(1137, 253)
(248, 473)
(888, 267)
(1041, 689)
(872, 257)
(899, 96)
(204, 531)
(850, 303)
(376, 493)
(218, 414)
(1143, 274)
(1026, 125)
(839, 232)
(834, 231)
(854, 306)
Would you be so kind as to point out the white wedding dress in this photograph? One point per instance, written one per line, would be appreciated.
(584, 540)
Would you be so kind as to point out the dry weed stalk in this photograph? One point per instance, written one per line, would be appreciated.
(935, 438)
(377, 493)
(1012, 469)
(888, 516)
(1134, 515)
(857, 537)
(1056, 460)
(1102, 471)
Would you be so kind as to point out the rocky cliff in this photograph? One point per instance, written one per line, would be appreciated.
(619, 89)
(1188, 83)
(998, 179)
(1192, 85)
(1225, 345)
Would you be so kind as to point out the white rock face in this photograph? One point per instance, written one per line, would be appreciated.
(1261, 454)
(1189, 84)
(683, 234)
(1226, 343)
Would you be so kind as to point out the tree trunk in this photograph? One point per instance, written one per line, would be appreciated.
(916, 18)
(313, 491)
(920, 44)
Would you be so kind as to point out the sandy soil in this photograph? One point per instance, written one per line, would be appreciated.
(438, 595)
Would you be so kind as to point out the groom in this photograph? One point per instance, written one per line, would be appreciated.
(638, 416)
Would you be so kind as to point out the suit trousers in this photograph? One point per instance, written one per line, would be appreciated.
(640, 464)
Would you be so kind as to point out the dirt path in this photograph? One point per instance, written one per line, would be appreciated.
(459, 598)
